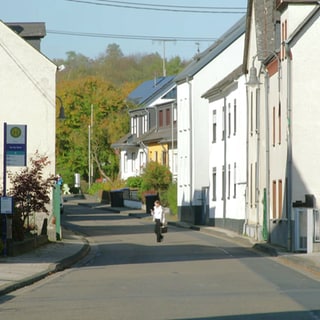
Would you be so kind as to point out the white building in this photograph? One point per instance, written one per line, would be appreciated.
(282, 157)
(27, 91)
(207, 69)
(227, 152)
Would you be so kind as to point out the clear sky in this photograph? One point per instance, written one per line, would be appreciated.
(105, 22)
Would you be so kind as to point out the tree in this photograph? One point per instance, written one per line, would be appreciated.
(110, 121)
(30, 189)
(156, 176)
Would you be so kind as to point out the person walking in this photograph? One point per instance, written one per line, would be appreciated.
(159, 218)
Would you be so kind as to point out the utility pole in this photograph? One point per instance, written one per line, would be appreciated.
(90, 162)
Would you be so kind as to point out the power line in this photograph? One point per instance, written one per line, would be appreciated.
(172, 8)
(128, 37)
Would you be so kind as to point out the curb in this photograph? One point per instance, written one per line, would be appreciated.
(52, 268)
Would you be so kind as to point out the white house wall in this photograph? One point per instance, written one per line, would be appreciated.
(236, 158)
(305, 114)
(193, 114)
(184, 144)
(27, 94)
(133, 160)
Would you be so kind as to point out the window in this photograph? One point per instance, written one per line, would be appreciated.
(280, 198)
(279, 122)
(125, 163)
(140, 161)
(223, 183)
(134, 125)
(174, 114)
(229, 120)
(273, 126)
(133, 162)
(284, 37)
(235, 117)
(214, 184)
(274, 199)
(156, 156)
(251, 113)
(251, 184)
(234, 180)
(164, 158)
(214, 126)
(257, 110)
(168, 117)
(223, 124)
(145, 124)
(160, 118)
(229, 180)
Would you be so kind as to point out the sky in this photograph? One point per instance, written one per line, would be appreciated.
(163, 26)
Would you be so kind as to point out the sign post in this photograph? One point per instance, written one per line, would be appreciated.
(14, 154)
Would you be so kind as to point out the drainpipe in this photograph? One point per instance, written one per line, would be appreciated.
(258, 189)
(190, 140)
(289, 144)
(224, 161)
(245, 225)
(266, 88)
(172, 142)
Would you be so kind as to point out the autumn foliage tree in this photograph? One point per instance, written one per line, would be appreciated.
(156, 176)
(96, 102)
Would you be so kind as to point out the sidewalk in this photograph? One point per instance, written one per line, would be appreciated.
(17, 272)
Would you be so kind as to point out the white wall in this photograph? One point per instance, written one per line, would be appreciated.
(305, 114)
(236, 153)
(193, 114)
(27, 94)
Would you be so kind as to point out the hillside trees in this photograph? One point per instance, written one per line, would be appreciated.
(114, 66)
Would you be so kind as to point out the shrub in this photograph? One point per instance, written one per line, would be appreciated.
(169, 198)
(156, 176)
(134, 182)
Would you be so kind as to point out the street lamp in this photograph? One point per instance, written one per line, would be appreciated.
(90, 162)
(254, 82)
(61, 111)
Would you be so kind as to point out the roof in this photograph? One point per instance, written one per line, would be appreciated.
(314, 15)
(162, 135)
(224, 84)
(129, 140)
(149, 89)
(266, 15)
(28, 29)
(202, 59)
(32, 32)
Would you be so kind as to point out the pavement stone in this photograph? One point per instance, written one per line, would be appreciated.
(19, 271)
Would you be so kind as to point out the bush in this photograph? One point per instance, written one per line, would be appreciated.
(156, 176)
(134, 182)
(169, 198)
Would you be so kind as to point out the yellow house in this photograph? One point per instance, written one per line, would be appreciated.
(158, 153)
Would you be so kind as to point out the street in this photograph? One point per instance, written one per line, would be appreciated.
(191, 275)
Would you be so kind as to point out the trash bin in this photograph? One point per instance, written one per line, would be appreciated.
(150, 199)
(116, 198)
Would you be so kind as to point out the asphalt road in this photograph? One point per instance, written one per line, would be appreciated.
(191, 275)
